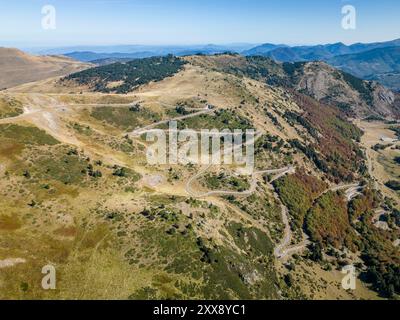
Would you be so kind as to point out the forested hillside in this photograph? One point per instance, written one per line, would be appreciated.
(124, 77)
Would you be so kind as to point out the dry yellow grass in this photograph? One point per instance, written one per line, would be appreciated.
(95, 268)
(381, 163)
(18, 67)
(318, 284)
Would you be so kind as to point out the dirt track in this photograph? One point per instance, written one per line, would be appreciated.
(48, 118)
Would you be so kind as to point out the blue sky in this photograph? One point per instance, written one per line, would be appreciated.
(96, 22)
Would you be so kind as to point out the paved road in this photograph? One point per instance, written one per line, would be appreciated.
(287, 236)
(283, 249)
(351, 190)
(149, 128)
(138, 132)
(251, 190)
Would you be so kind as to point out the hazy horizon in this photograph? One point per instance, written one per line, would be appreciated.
(117, 48)
(181, 23)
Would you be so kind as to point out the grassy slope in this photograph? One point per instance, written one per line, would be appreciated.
(177, 248)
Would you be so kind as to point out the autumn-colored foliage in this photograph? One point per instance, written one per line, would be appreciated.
(328, 222)
(298, 193)
(335, 143)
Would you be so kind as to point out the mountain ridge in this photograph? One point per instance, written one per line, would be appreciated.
(373, 65)
(319, 80)
(88, 149)
(342, 56)
(19, 67)
(326, 51)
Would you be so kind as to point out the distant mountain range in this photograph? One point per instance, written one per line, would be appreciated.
(382, 65)
(375, 61)
(106, 55)
(128, 51)
(319, 52)
(89, 56)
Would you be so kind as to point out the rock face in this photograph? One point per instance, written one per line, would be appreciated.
(324, 84)
(384, 99)
(18, 67)
(356, 97)
(375, 61)
(362, 98)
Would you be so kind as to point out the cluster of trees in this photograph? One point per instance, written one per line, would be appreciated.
(346, 129)
(120, 172)
(181, 110)
(329, 225)
(93, 173)
(328, 222)
(232, 120)
(131, 74)
(222, 119)
(311, 154)
(225, 181)
(373, 118)
(379, 147)
(255, 67)
(293, 69)
(396, 130)
(337, 154)
(298, 192)
(393, 184)
(272, 73)
(378, 253)
(361, 206)
(135, 108)
(385, 279)
(123, 172)
(396, 217)
(269, 143)
(362, 87)
(293, 117)
(274, 119)
(382, 261)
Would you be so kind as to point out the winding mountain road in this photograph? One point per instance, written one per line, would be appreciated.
(149, 128)
(283, 249)
(44, 118)
(251, 190)
(351, 190)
